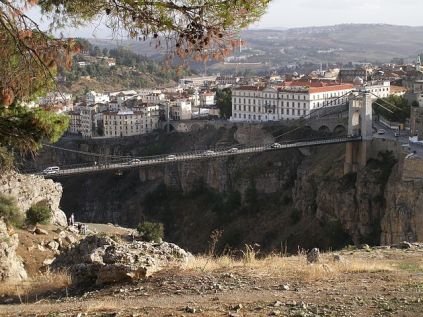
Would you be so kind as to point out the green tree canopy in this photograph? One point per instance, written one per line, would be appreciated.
(393, 108)
(224, 102)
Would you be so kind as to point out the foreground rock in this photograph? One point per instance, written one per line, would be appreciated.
(11, 266)
(31, 189)
(102, 260)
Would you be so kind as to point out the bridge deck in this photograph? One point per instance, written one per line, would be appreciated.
(195, 155)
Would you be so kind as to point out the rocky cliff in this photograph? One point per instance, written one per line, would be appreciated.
(403, 217)
(30, 189)
(11, 266)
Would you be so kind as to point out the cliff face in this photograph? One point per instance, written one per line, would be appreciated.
(283, 197)
(30, 189)
(11, 266)
(403, 218)
(355, 201)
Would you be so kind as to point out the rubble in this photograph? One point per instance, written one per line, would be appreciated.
(101, 260)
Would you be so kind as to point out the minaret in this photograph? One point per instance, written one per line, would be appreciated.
(418, 64)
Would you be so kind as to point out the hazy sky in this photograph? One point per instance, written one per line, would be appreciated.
(298, 13)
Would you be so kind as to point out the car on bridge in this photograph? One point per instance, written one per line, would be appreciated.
(51, 170)
(232, 150)
(134, 161)
(276, 145)
(171, 157)
(209, 153)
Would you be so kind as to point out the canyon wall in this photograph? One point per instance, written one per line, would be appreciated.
(279, 199)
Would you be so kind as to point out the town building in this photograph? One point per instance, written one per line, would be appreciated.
(181, 109)
(348, 75)
(123, 123)
(93, 97)
(291, 101)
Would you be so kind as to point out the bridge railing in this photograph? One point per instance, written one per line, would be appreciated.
(120, 164)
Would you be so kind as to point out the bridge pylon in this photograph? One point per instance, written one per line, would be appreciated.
(359, 124)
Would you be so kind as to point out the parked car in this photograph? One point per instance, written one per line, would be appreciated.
(171, 157)
(209, 152)
(381, 131)
(396, 134)
(134, 161)
(233, 150)
(51, 170)
(276, 145)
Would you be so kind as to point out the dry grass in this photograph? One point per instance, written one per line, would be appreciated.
(41, 284)
(293, 266)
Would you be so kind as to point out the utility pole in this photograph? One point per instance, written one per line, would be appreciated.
(168, 118)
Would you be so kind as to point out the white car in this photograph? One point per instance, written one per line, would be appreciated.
(276, 145)
(51, 170)
(381, 131)
(171, 157)
(209, 152)
(134, 161)
(233, 150)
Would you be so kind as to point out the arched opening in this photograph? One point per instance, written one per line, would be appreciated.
(324, 129)
(169, 127)
(195, 127)
(340, 130)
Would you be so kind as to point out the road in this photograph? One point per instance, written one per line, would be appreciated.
(196, 155)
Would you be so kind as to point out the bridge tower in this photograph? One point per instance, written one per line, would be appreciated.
(359, 124)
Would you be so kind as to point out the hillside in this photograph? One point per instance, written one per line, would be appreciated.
(329, 44)
(104, 69)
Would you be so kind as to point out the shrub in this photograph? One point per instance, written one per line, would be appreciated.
(151, 231)
(10, 211)
(39, 213)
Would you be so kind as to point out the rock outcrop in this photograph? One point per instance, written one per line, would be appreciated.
(403, 218)
(102, 260)
(11, 266)
(30, 189)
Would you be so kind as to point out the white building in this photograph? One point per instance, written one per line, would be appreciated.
(292, 101)
(122, 123)
(207, 99)
(55, 98)
(74, 122)
(93, 97)
(379, 89)
(181, 110)
(153, 98)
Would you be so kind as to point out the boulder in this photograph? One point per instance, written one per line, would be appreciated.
(40, 231)
(102, 260)
(313, 256)
(30, 189)
(11, 266)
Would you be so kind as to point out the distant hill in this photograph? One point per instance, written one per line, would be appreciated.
(344, 43)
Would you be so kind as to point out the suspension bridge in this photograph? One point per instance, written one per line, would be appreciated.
(359, 132)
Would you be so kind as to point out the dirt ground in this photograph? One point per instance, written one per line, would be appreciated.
(376, 282)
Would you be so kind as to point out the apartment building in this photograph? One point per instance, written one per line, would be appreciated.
(123, 123)
(93, 97)
(291, 101)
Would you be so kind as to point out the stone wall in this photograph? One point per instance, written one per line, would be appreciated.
(30, 189)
